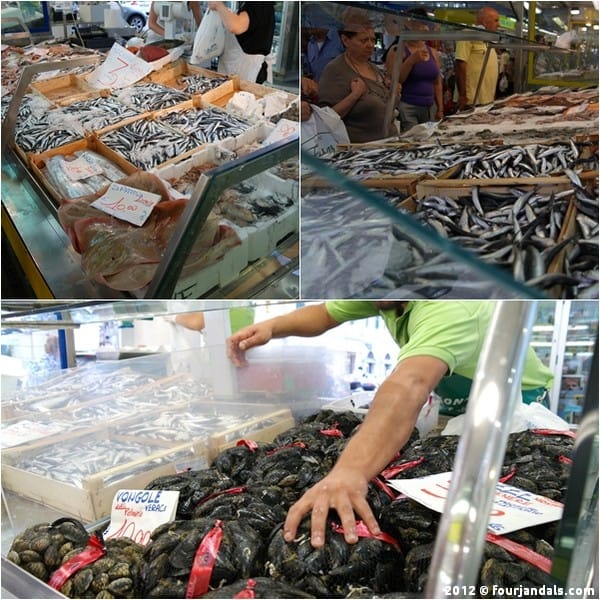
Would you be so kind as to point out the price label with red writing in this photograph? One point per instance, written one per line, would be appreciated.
(136, 514)
(80, 168)
(513, 508)
(120, 69)
(284, 130)
(127, 203)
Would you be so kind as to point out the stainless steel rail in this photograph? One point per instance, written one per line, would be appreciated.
(494, 395)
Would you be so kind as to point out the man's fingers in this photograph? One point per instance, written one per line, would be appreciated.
(294, 516)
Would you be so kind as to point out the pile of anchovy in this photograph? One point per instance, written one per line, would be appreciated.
(99, 113)
(206, 124)
(199, 84)
(397, 162)
(42, 133)
(532, 160)
(147, 144)
(243, 497)
(151, 96)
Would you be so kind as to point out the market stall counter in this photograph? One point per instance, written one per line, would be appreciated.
(77, 148)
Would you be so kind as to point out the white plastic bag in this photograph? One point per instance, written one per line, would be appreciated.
(526, 416)
(323, 131)
(210, 38)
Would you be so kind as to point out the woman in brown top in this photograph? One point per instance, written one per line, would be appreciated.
(355, 88)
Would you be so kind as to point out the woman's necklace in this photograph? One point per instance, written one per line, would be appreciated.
(378, 77)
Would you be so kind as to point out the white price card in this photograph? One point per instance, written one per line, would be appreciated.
(80, 168)
(135, 514)
(120, 69)
(127, 203)
(512, 509)
(284, 130)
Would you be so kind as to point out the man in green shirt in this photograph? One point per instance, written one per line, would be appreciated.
(440, 343)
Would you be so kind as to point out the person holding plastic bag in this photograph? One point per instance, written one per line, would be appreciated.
(439, 341)
(184, 12)
(248, 39)
(322, 128)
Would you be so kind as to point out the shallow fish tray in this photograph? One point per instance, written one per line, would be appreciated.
(172, 75)
(38, 161)
(90, 497)
(62, 87)
(456, 188)
(260, 429)
(461, 189)
(406, 185)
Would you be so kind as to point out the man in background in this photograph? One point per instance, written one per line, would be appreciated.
(469, 57)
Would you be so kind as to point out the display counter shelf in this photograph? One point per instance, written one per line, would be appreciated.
(195, 255)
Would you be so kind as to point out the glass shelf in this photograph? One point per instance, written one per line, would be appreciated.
(360, 244)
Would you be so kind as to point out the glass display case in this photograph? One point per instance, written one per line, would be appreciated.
(210, 222)
(171, 411)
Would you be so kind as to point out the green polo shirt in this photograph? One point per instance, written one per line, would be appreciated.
(452, 331)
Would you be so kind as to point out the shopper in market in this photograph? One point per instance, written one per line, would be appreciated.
(421, 99)
(248, 39)
(184, 11)
(322, 47)
(469, 57)
(440, 343)
(354, 87)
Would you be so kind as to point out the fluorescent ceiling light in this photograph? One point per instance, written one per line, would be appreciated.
(575, 11)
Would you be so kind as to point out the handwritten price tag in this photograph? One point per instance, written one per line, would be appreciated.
(120, 69)
(285, 129)
(127, 203)
(512, 509)
(136, 514)
(80, 168)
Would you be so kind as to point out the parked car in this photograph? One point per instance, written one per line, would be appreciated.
(135, 14)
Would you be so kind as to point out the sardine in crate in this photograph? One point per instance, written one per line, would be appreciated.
(92, 499)
(38, 161)
(461, 189)
(171, 74)
(263, 428)
(63, 87)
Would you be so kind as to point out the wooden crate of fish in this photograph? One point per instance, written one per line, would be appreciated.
(224, 94)
(62, 87)
(188, 78)
(105, 166)
(203, 123)
(523, 228)
(80, 476)
(260, 429)
(116, 405)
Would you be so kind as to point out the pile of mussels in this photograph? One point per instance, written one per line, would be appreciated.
(242, 500)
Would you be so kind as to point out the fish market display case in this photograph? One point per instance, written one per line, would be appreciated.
(179, 419)
(466, 219)
(70, 141)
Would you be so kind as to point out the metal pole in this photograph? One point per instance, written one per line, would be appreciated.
(495, 393)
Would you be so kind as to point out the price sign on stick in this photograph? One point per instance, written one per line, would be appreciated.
(120, 69)
(136, 514)
(80, 168)
(512, 509)
(127, 203)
